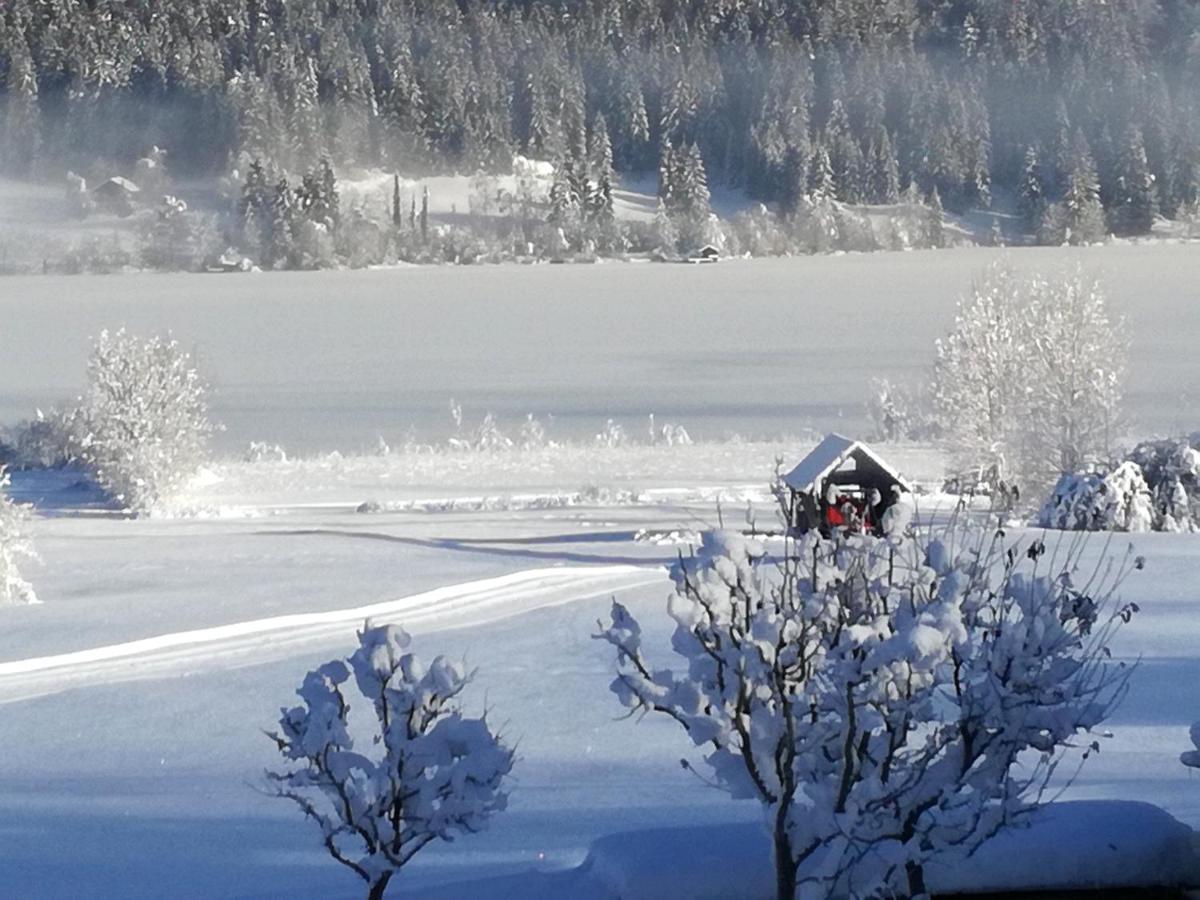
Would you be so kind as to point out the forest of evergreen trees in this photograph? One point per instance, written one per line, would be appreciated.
(1083, 114)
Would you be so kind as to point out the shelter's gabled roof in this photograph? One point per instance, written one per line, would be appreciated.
(118, 182)
(830, 455)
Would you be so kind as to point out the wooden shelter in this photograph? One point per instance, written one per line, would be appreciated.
(848, 470)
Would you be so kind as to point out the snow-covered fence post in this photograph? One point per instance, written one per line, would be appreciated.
(874, 694)
(432, 771)
(142, 426)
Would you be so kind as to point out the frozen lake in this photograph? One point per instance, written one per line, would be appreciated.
(317, 361)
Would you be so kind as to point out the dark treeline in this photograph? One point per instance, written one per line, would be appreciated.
(1084, 113)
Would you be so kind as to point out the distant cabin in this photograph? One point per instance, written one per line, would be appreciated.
(706, 254)
(116, 195)
(852, 470)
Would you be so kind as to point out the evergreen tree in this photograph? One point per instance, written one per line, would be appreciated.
(1083, 214)
(824, 186)
(330, 200)
(280, 247)
(1032, 189)
(397, 214)
(1135, 201)
(21, 137)
(885, 170)
(937, 220)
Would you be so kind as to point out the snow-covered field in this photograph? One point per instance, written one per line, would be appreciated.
(334, 360)
(134, 696)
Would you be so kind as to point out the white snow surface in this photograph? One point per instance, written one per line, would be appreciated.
(140, 759)
(318, 361)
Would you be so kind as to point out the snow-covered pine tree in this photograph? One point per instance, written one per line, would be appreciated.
(1083, 214)
(1032, 189)
(1135, 203)
(885, 170)
(936, 228)
(428, 773)
(823, 185)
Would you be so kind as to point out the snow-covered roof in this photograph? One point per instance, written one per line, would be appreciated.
(119, 181)
(834, 452)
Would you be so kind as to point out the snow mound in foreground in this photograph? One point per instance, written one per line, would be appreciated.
(1097, 844)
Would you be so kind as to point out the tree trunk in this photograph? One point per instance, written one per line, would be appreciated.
(916, 881)
(785, 867)
(377, 887)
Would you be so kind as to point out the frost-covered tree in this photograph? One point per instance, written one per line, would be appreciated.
(1027, 383)
(15, 548)
(142, 426)
(875, 695)
(1075, 370)
(427, 773)
(979, 379)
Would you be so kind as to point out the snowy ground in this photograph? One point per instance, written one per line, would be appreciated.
(135, 693)
(133, 696)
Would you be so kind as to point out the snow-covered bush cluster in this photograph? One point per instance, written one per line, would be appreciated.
(1172, 472)
(142, 424)
(1118, 501)
(15, 548)
(1156, 488)
(875, 695)
(43, 442)
(1027, 382)
(425, 772)
(261, 451)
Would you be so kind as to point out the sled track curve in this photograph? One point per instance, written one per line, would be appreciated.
(263, 640)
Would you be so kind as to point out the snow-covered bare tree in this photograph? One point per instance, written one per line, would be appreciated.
(875, 695)
(15, 548)
(1078, 361)
(1027, 383)
(142, 425)
(430, 772)
(980, 377)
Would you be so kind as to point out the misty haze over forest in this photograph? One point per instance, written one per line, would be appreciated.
(1073, 100)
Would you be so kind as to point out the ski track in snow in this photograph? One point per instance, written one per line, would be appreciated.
(262, 640)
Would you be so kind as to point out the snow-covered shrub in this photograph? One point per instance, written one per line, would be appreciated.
(1191, 758)
(900, 412)
(1091, 501)
(426, 772)
(533, 433)
(669, 433)
(143, 421)
(261, 451)
(1172, 472)
(1027, 383)
(15, 548)
(611, 435)
(43, 442)
(875, 695)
